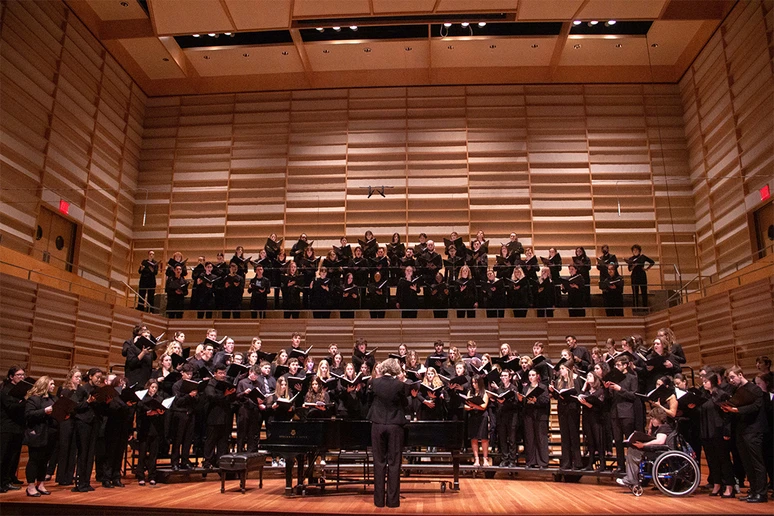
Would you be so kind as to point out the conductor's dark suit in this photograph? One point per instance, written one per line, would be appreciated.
(387, 416)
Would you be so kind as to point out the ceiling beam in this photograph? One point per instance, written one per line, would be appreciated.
(301, 49)
(561, 41)
(125, 29)
(180, 57)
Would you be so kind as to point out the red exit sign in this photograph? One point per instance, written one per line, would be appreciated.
(765, 193)
(64, 206)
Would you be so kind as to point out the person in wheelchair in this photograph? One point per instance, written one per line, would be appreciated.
(661, 431)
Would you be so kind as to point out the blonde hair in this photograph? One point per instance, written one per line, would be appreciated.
(68, 381)
(436, 379)
(40, 388)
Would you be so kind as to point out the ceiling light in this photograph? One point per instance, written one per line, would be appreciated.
(245, 55)
(576, 46)
(227, 33)
(206, 57)
(337, 29)
(366, 50)
(593, 22)
(493, 47)
(654, 45)
(196, 35)
(285, 53)
(610, 23)
(353, 27)
(464, 24)
(577, 22)
(165, 59)
(447, 25)
(534, 45)
(326, 51)
(212, 34)
(618, 45)
(124, 4)
(482, 24)
(450, 47)
(409, 49)
(320, 29)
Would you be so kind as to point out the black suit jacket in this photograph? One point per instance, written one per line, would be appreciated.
(622, 402)
(389, 405)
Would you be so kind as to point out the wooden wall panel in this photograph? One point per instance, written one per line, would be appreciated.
(72, 124)
(727, 96)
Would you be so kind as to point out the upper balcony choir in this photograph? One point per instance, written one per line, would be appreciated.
(348, 279)
(187, 404)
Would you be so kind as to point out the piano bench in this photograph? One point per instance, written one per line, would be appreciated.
(241, 464)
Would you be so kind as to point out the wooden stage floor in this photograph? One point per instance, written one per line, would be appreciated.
(523, 495)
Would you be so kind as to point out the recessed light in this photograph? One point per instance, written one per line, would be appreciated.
(285, 53)
(206, 57)
(212, 34)
(326, 51)
(482, 24)
(610, 23)
(450, 47)
(447, 25)
(534, 45)
(353, 27)
(593, 22)
(337, 29)
(196, 35)
(165, 59)
(577, 22)
(227, 33)
(124, 4)
(576, 46)
(366, 50)
(409, 49)
(464, 24)
(492, 46)
(245, 55)
(618, 45)
(320, 29)
(654, 45)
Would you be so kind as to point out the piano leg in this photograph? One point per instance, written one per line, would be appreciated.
(289, 475)
(456, 470)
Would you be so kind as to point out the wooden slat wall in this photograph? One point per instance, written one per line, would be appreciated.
(550, 163)
(72, 128)
(729, 121)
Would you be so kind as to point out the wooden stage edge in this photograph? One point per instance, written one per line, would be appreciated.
(477, 496)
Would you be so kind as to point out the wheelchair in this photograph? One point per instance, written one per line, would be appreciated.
(673, 469)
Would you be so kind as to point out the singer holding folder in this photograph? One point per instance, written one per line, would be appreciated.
(387, 416)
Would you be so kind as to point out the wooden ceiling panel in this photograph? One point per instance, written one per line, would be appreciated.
(259, 14)
(473, 6)
(149, 54)
(175, 17)
(622, 9)
(232, 61)
(403, 6)
(478, 53)
(330, 8)
(384, 55)
(112, 10)
(603, 52)
(549, 11)
(672, 37)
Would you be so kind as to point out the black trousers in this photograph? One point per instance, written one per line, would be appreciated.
(569, 431)
(718, 453)
(216, 443)
(148, 293)
(593, 427)
(640, 295)
(38, 460)
(116, 437)
(181, 431)
(148, 453)
(536, 441)
(65, 468)
(387, 443)
(622, 429)
(10, 450)
(507, 421)
(249, 422)
(471, 314)
(86, 439)
(750, 445)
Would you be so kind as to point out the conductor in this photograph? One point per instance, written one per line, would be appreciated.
(387, 417)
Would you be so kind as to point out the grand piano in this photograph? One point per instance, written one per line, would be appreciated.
(303, 441)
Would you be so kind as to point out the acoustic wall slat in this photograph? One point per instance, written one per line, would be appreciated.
(727, 94)
(17, 306)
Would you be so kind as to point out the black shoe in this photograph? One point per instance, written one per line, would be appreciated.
(12, 487)
(3, 489)
(175, 468)
(44, 493)
(79, 490)
(15, 480)
(107, 485)
(118, 483)
(504, 464)
(35, 494)
(757, 499)
(716, 493)
(89, 488)
(723, 495)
